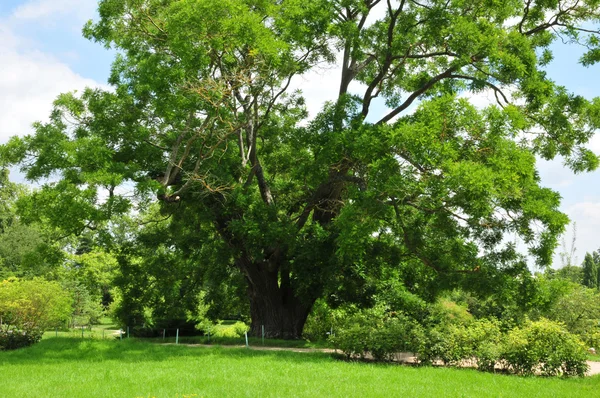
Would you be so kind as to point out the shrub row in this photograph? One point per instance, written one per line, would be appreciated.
(542, 347)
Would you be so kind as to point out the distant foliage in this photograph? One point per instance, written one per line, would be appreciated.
(320, 322)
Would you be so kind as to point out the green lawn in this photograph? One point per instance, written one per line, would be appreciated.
(68, 367)
(252, 341)
(106, 329)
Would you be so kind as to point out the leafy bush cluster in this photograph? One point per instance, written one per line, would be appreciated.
(382, 336)
(543, 347)
(236, 330)
(454, 344)
(27, 308)
(546, 347)
(13, 339)
(224, 331)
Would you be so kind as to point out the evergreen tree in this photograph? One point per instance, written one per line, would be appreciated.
(590, 271)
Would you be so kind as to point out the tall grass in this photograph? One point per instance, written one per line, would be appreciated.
(68, 367)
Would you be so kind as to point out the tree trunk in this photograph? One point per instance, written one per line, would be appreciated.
(273, 304)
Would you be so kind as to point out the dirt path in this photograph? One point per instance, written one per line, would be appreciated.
(594, 368)
(403, 357)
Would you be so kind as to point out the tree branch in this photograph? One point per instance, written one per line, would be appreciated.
(416, 94)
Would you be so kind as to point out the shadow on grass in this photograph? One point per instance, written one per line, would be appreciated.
(64, 349)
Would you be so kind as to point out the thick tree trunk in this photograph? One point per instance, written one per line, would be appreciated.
(273, 304)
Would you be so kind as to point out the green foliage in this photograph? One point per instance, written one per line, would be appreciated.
(95, 269)
(28, 307)
(544, 347)
(457, 344)
(13, 338)
(320, 322)
(87, 307)
(579, 311)
(26, 250)
(590, 272)
(571, 273)
(8, 192)
(236, 330)
(378, 333)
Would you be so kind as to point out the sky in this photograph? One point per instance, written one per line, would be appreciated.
(43, 54)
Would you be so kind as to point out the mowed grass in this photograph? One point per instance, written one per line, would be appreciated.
(68, 367)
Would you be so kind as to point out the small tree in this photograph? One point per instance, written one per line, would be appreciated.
(28, 307)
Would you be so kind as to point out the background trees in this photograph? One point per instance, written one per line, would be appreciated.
(201, 118)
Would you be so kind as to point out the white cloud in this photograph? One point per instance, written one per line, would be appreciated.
(31, 79)
(586, 215)
(29, 83)
(44, 9)
(318, 86)
(555, 174)
(594, 143)
(587, 210)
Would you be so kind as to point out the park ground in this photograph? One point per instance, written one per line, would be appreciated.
(69, 366)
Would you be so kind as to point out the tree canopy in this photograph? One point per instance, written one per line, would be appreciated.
(201, 118)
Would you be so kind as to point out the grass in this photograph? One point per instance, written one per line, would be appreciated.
(593, 357)
(106, 329)
(252, 341)
(68, 367)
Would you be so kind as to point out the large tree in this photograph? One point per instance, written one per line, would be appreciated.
(201, 117)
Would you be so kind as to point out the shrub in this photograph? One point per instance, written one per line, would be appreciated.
(28, 307)
(227, 331)
(13, 339)
(544, 346)
(375, 332)
(483, 343)
(240, 328)
(352, 340)
(453, 344)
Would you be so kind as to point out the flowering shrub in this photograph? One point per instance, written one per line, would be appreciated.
(13, 339)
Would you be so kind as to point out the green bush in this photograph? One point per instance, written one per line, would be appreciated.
(240, 328)
(227, 331)
(483, 342)
(13, 339)
(352, 340)
(375, 332)
(545, 347)
(28, 307)
(455, 344)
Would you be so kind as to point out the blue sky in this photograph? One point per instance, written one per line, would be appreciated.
(42, 54)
